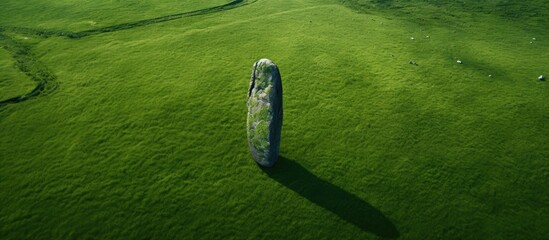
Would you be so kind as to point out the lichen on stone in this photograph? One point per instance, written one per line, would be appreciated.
(264, 112)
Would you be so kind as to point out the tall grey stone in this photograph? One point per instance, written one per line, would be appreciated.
(264, 123)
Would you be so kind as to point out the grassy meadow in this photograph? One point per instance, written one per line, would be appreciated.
(127, 119)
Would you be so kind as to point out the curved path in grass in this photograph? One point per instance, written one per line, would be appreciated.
(46, 81)
(27, 63)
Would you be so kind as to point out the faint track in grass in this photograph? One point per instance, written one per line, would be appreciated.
(232, 23)
(124, 26)
(128, 25)
(46, 81)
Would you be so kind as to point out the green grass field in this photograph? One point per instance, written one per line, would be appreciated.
(127, 119)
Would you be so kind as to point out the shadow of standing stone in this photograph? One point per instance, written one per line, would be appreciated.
(346, 205)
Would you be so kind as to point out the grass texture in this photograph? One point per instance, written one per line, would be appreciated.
(144, 134)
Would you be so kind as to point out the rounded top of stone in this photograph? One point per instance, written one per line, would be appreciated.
(265, 60)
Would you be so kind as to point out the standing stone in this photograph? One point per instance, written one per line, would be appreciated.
(264, 122)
